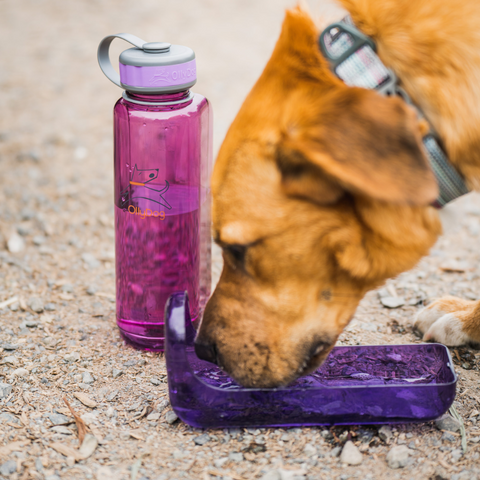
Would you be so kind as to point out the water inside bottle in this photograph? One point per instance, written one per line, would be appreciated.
(158, 241)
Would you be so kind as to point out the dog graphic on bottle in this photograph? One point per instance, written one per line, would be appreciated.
(148, 196)
(144, 191)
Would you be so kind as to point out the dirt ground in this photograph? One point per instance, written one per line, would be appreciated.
(57, 325)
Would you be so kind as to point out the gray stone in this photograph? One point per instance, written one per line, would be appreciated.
(59, 419)
(53, 477)
(15, 243)
(11, 360)
(351, 454)
(392, 302)
(153, 417)
(50, 307)
(7, 417)
(90, 260)
(385, 433)
(7, 468)
(31, 155)
(397, 457)
(67, 288)
(326, 434)
(116, 373)
(38, 465)
(9, 346)
(163, 405)
(36, 304)
(446, 422)
(91, 290)
(171, 417)
(235, 456)
(309, 450)
(31, 323)
(456, 455)
(38, 240)
(20, 372)
(202, 439)
(336, 451)
(62, 430)
(448, 437)
(72, 357)
(220, 462)
(155, 381)
(87, 378)
(271, 475)
(291, 474)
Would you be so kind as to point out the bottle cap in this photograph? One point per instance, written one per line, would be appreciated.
(153, 67)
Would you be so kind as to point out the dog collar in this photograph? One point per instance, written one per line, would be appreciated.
(352, 57)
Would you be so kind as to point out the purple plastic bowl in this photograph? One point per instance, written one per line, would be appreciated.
(355, 385)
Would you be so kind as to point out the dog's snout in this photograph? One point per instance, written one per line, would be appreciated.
(206, 351)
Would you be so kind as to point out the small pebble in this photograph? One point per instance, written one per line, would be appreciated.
(153, 416)
(336, 451)
(59, 419)
(91, 290)
(171, 417)
(38, 240)
(385, 433)
(15, 243)
(10, 359)
(202, 439)
(163, 405)
(50, 307)
(309, 450)
(7, 468)
(155, 381)
(448, 437)
(397, 457)
(392, 302)
(87, 378)
(36, 304)
(456, 455)
(90, 260)
(116, 373)
(67, 288)
(72, 357)
(62, 430)
(235, 456)
(5, 390)
(20, 372)
(351, 455)
(446, 422)
(220, 462)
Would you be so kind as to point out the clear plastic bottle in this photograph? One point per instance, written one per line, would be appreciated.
(162, 163)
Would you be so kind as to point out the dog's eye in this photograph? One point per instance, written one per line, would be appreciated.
(236, 253)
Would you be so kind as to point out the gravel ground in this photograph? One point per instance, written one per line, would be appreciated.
(57, 327)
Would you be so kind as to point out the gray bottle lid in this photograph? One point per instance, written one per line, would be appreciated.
(153, 67)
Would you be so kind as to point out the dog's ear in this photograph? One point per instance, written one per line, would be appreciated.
(357, 141)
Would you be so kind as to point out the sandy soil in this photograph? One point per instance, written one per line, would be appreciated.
(57, 328)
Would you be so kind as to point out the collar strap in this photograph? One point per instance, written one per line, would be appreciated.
(353, 58)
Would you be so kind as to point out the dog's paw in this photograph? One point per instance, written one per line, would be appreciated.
(446, 321)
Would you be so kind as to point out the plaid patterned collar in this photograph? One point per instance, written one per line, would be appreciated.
(352, 57)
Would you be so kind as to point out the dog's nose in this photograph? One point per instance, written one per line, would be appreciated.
(206, 351)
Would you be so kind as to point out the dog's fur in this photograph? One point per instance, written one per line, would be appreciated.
(321, 191)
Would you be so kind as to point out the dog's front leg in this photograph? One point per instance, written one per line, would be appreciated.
(451, 321)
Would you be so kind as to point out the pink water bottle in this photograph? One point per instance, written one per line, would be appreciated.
(163, 157)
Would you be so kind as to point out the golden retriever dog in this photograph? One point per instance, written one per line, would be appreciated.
(323, 191)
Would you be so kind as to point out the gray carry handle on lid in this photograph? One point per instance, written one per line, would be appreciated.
(104, 58)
